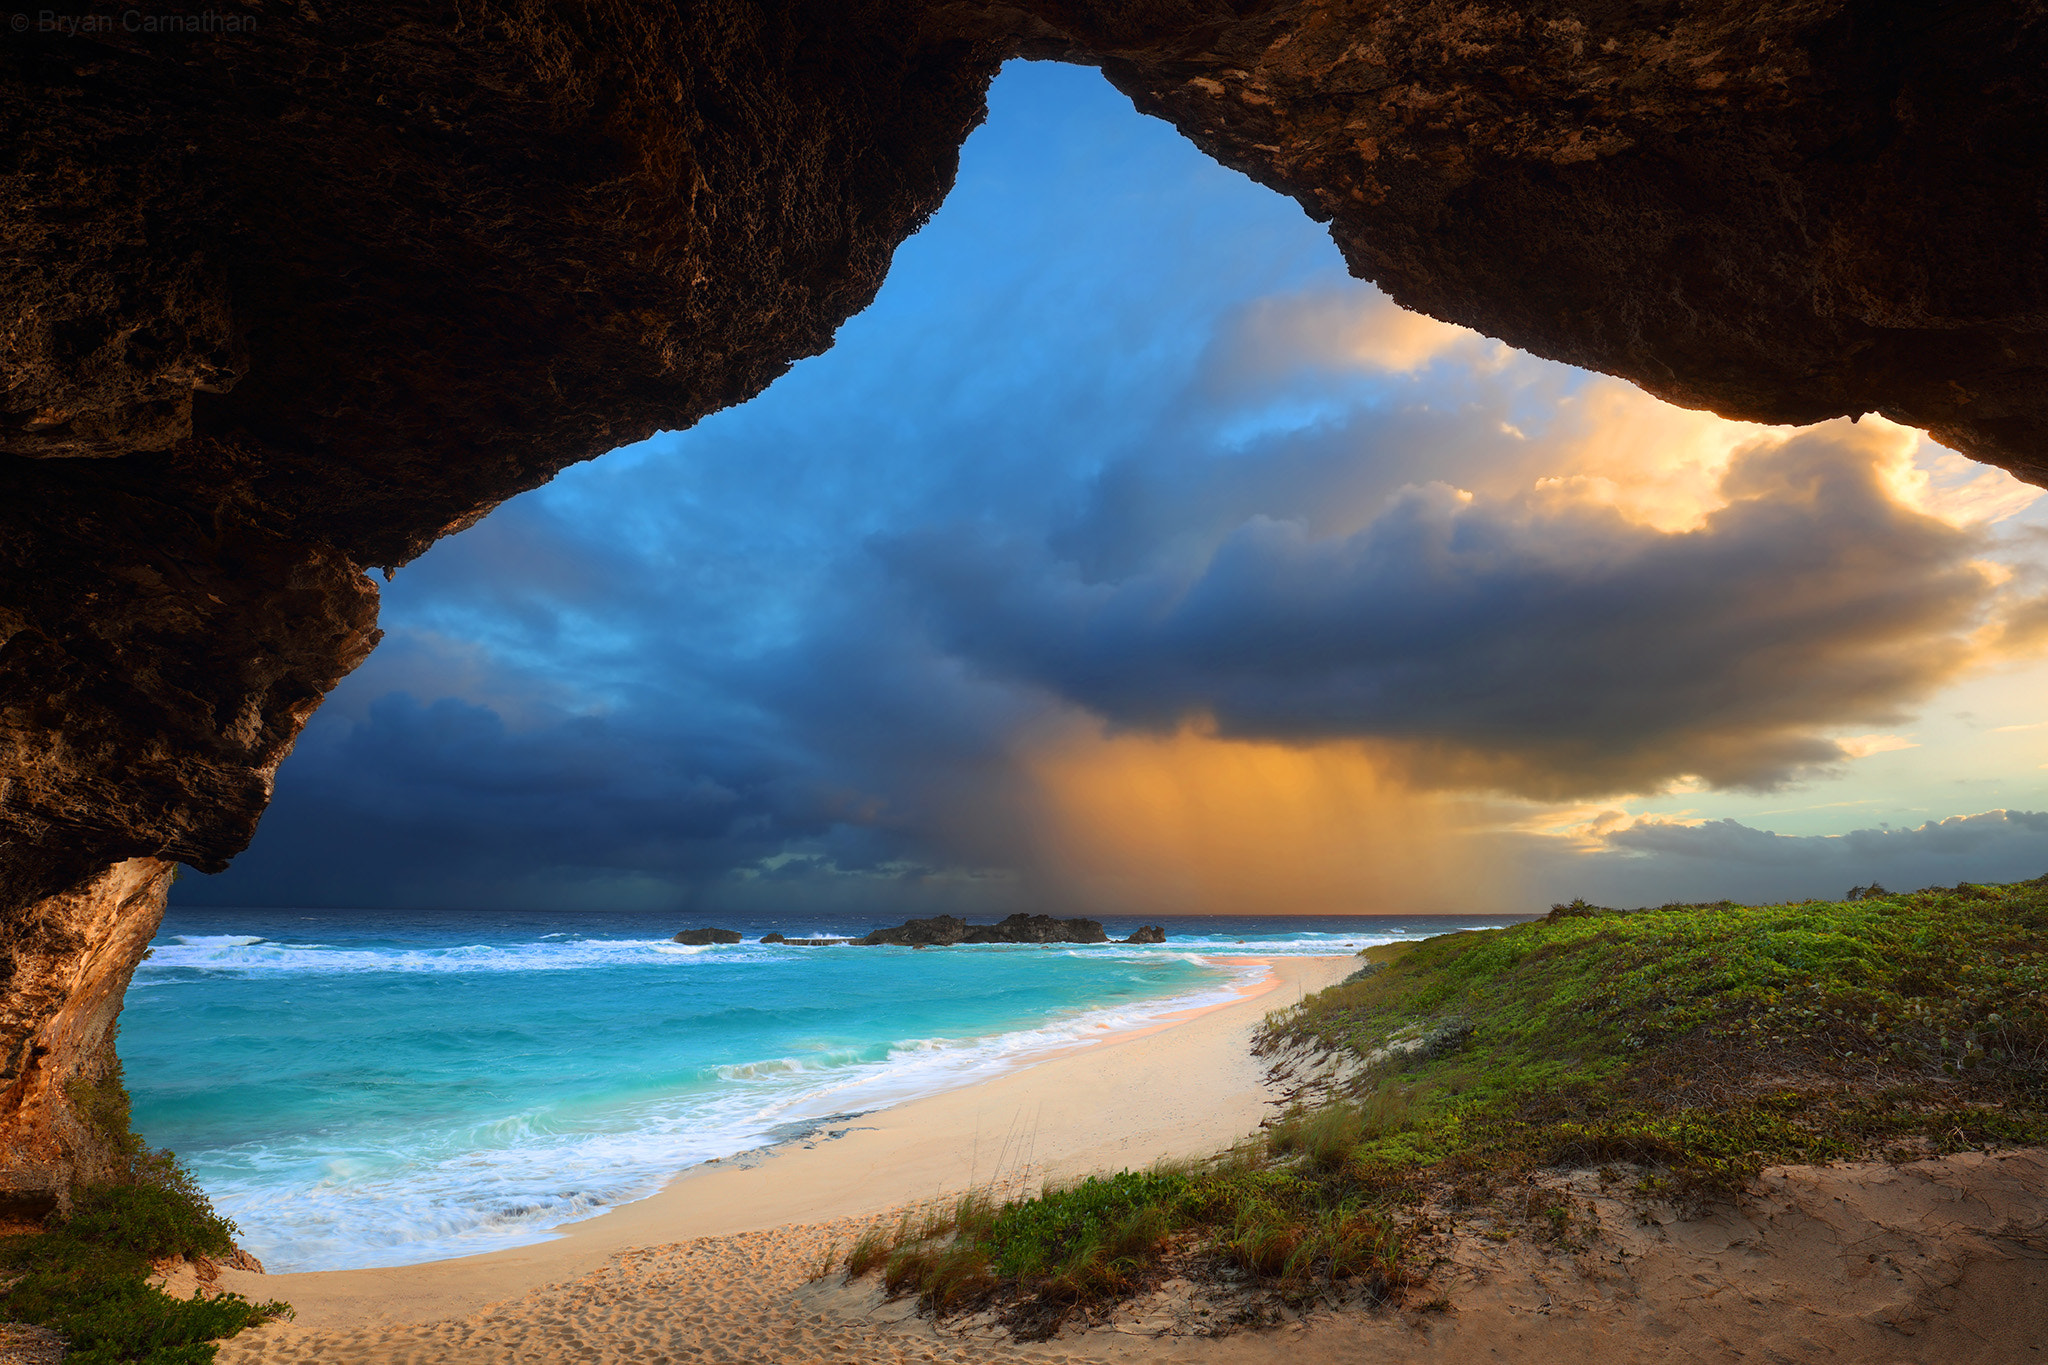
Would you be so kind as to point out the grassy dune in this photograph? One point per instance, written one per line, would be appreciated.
(1681, 1049)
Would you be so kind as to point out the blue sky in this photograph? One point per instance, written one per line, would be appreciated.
(1127, 556)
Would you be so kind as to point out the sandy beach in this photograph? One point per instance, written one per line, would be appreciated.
(1186, 1087)
(1942, 1260)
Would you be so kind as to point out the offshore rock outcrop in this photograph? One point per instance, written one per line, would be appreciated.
(941, 931)
(288, 299)
(704, 938)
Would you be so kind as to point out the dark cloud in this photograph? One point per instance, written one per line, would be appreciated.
(1550, 648)
(443, 804)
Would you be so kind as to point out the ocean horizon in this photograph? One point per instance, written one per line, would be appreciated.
(379, 1088)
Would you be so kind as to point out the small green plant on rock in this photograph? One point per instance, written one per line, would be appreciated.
(87, 1276)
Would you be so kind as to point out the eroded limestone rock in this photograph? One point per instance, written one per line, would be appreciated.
(70, 958)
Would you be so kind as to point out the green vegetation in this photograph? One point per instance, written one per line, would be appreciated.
(1705, 1042)
(1072, 1247)
(87, 1276)
(103, 1107)
(1692, 1044)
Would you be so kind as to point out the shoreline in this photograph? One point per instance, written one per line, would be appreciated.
(1182, 1085)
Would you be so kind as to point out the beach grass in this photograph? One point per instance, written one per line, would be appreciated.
(87, 1276)
(1682, 1049)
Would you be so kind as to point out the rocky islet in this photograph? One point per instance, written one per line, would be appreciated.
(703, 938)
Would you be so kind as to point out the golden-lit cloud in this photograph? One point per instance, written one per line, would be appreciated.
(1656, 465)
(1603, 441)
(1943, 484)
(2020, 631)
(1193, 823)
(1362, 328)
(1863, 746)
(1582, 827)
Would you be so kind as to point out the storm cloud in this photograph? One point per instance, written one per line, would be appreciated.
(1542, 644)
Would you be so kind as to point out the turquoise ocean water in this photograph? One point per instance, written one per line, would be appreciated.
(376, 1088)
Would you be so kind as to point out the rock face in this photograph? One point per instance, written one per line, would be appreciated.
(946, 930)
(291, 298)
(1146, 933)
(71, 960)
(773, 938)
(700, 938)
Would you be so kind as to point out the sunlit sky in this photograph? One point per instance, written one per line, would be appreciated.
(1129, 557)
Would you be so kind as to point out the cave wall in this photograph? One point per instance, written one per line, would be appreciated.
(286, 299)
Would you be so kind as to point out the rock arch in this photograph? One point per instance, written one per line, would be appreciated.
(293, 292)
